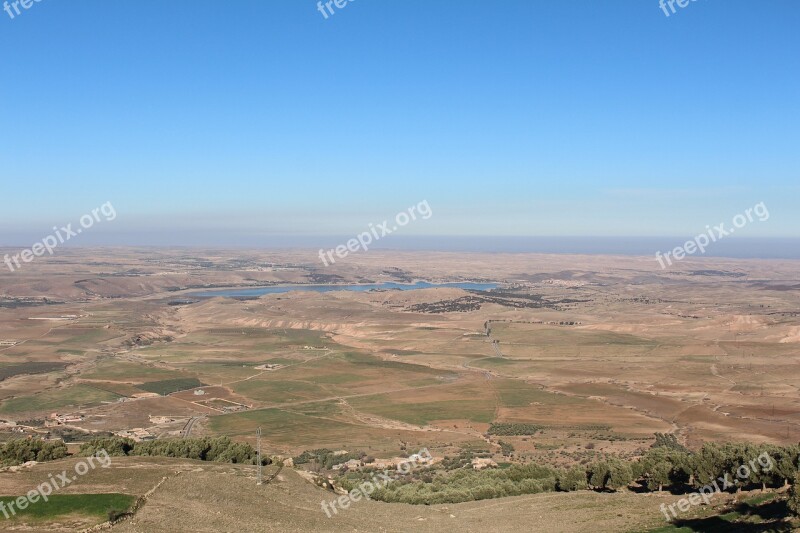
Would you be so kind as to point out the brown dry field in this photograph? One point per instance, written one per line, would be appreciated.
(600, 350)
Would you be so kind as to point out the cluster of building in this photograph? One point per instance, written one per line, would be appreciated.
(161, 419)
(269, 366)
(13, 427)
(394, 462)
(136, 434)
(59, 420)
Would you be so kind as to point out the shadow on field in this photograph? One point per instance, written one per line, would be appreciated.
(770, 515)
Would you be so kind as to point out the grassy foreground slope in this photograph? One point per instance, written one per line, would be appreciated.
(198, 496)
(206, 498)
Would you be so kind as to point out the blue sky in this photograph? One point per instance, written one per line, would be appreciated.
(223, 122)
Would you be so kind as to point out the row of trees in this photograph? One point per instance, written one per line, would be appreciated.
(664, 466)
(744, 464)
(217, 449)
(425, 487)
(18, 451)
(508, 429)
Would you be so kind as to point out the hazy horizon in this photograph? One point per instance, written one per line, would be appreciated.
(737, 247)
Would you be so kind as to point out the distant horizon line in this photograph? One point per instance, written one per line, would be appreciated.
(755, 247)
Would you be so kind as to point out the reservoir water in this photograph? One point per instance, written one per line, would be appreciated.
(278, 289)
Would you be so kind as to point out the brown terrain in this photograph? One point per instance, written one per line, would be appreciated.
(600, 351)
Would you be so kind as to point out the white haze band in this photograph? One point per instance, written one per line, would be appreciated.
(712, 235)
(62, 235)
(365, 239)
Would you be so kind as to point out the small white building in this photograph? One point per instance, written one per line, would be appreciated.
(352, 464)
(479, 463)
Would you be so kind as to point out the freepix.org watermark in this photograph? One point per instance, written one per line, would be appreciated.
(54, 484)
(363, 240)
(49, 243)
(706, 492)
(718, 232)
(26, 4)
(328, 6)
(671, 3)
(378, 481)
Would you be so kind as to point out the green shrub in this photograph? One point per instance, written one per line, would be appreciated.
(573, 479)
(18, 451)
(794, 496)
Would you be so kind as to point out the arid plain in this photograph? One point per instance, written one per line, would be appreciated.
(601, 352)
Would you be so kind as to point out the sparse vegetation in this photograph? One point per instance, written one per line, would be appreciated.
(506, 448)
(514, 429)
(670, 441)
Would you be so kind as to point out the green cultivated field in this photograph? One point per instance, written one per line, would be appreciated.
(114, 370)
(168, 386)
(57, 399)
(293, 428)
(59, 505)
(279, 391)
(422, 413)
(16, 369)
(519, 394)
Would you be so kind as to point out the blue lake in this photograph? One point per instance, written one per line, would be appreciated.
(278, 289)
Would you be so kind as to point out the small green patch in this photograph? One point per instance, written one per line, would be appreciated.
(93, 505)
(168, 386)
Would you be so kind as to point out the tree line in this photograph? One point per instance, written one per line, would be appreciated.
(217, 449)
(665, 466)
(18, 451)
